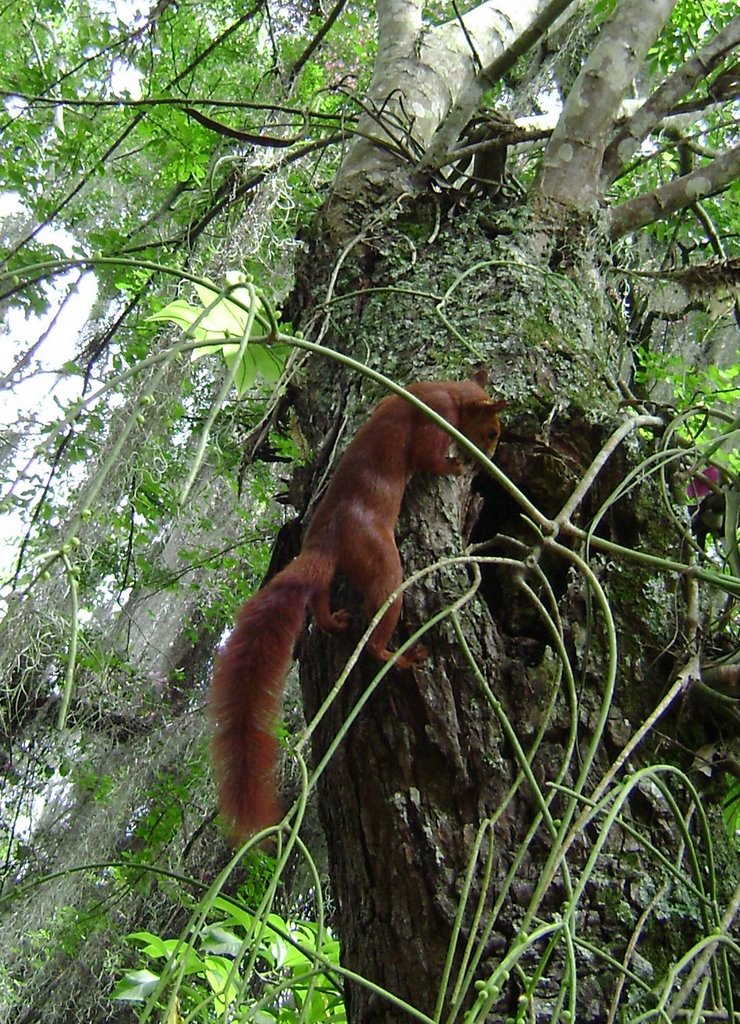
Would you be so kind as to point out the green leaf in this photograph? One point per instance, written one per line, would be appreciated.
(216, 939)
(218, 970)
(238, 914)
(135, 986)
(159, 948)
(244, 370)
(731, 810)
(221, 319)
(270, 360)
(224, 315)
(196, 324)
(154, 945)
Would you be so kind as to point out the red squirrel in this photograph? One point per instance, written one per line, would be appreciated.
(351, 531)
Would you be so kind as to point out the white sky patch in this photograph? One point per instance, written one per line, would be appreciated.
(131, 11)
(14, 105)
(125, 80)
(57, 331)
(41, 389)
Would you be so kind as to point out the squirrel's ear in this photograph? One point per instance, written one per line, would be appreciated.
(483, 409)
(485, 406)
(480, 376)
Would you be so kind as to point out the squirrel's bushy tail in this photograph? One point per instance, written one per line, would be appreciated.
(247, 692)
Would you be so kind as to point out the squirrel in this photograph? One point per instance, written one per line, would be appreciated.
(351, 531)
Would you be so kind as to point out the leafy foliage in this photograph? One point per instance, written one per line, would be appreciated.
(291, 961)
(238, 313)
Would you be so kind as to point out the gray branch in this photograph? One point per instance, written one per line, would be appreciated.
(627, 141)
(573, 159)
(676, 195)
(421, 75)
(449, 130)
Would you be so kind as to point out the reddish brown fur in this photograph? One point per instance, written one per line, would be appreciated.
(352, 531)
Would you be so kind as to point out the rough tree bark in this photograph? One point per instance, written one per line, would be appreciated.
(446, 839)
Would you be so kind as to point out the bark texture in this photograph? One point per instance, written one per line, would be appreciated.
(495, 830)
(439, 834)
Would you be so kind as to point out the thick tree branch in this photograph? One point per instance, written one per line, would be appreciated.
(573, 159)
(421, 74)
(627, 140)
(450, 129)
(676, 195)
(525, 41)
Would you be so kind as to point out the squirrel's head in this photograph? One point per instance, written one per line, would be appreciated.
(480, 423)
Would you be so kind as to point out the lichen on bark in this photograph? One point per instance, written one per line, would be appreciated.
(433, 293)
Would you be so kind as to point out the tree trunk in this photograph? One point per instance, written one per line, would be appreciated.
(457, 797)
(417, 802)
